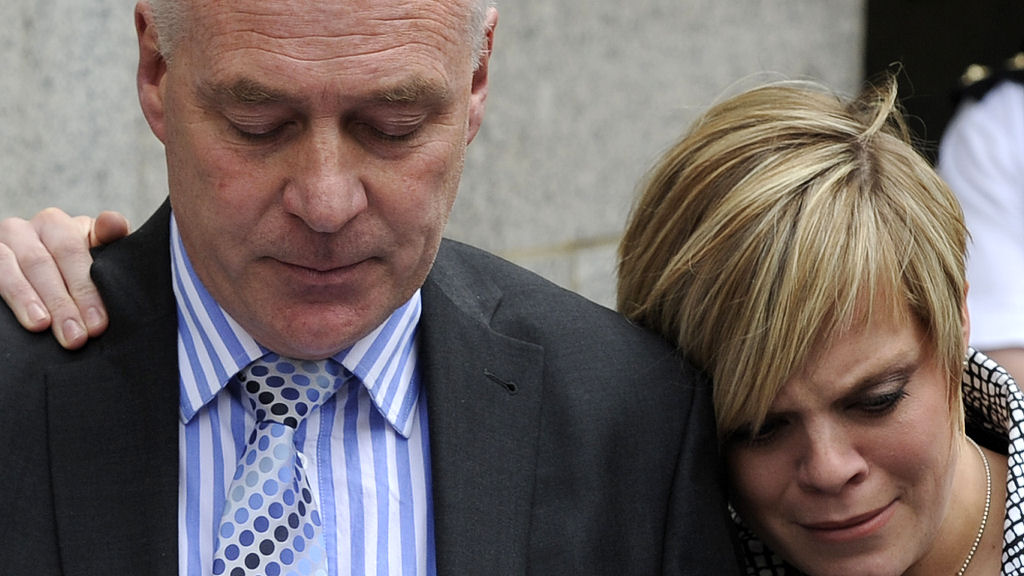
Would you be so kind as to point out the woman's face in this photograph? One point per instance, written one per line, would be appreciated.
(852, 471)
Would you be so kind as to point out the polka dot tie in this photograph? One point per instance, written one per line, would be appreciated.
(271, 525)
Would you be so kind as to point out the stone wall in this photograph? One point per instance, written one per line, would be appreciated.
(584, 96)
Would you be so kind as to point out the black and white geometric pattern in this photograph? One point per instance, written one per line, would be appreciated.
(994, 410)
(994, 403)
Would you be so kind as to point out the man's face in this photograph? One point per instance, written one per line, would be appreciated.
(314, 151)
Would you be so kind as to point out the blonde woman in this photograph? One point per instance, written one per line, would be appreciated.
(797, 249)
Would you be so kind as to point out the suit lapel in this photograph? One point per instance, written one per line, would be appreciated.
(113, 420)
(483, 401)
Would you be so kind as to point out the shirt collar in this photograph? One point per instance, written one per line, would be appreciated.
(212, 348)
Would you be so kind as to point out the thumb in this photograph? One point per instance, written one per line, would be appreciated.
(108, 227)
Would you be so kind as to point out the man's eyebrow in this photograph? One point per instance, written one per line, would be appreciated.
(244, 91)
(412, 91)
(248, 91)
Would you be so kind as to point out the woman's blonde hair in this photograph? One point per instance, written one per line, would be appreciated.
(786, 215)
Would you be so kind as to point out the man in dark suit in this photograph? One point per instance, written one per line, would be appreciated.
(313, 156)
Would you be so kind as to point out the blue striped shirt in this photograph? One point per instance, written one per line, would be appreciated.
(366, 449)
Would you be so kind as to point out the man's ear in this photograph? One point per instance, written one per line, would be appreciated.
(152, 70)
(478, 95)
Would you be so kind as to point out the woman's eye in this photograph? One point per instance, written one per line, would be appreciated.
(768, 431)
(880, 404)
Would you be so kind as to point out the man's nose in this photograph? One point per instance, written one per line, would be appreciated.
(325, 189)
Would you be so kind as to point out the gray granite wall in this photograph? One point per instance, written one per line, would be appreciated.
(584, 96)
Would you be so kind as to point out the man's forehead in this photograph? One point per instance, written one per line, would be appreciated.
(285, 51)
(332, 41)
(365, 22)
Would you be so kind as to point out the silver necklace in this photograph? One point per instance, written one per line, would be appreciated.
(984, 517)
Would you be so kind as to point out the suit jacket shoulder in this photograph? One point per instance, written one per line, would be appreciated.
(578, 441)
(518, 302)
(90, 437)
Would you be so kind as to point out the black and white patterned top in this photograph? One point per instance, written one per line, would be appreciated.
(994, 410)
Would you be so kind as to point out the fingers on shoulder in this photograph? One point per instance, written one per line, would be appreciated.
(18, 293)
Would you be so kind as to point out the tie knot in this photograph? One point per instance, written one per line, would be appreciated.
(285, 390)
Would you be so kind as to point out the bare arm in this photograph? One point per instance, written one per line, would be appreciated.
(44, 272)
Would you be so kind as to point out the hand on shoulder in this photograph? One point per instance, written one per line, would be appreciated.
(44, 272)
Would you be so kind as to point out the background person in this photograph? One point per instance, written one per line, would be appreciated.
(799, 251)
(981, 156)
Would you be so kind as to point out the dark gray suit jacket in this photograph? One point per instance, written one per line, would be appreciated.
(563, 439)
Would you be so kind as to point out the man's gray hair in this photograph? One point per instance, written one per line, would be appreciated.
(171, 21)
(475, 28)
